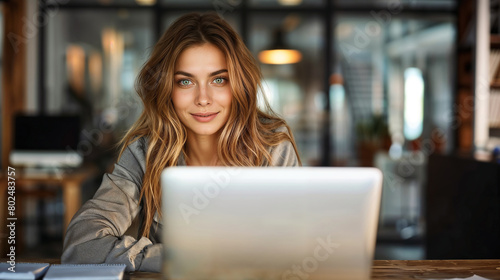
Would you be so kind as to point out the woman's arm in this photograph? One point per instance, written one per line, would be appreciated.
(97, 233)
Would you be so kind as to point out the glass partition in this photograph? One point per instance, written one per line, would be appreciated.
(100, 2)
(398, 81)
(395, 5)
(295, 91)
(93, 58)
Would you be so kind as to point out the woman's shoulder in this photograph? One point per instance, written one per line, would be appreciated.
(137, 148)
(278, 122)
(131, 164)
(282, 154)
(282, 128)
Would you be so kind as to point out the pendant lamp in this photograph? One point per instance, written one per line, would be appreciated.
(278, 52)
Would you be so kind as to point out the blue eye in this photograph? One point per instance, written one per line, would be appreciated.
(219, 80)
(184, 82)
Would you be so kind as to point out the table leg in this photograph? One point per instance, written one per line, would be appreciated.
(72, 201)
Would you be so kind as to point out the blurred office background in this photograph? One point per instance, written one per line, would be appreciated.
(376, 83)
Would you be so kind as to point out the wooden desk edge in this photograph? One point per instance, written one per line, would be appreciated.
(383, 269)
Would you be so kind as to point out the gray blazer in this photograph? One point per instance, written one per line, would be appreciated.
(106, 228)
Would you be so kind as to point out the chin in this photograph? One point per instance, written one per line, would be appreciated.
(206, 131)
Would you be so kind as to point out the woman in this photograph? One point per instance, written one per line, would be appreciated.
(199, 90)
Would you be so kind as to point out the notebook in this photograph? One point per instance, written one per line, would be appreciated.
(269, 223)
(85, 271)
(23, 270)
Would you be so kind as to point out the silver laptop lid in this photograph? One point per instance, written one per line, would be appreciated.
(269, 223)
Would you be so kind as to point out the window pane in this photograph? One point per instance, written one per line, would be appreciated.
(295, 91)
(373, 59)
(93, 58)
(392, 5)
(101, 2)
(414, 103)
(188, 3)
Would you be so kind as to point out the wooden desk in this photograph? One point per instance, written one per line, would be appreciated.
(70, 182)
(390, 269)
(435, 269)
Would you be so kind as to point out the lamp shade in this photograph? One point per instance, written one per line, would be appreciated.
(146, 2)
(279, 53)
(280, 56)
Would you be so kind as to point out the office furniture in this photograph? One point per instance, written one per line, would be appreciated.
(462, 208)
(69, 182)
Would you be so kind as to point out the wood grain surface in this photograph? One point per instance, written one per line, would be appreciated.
(388, 269)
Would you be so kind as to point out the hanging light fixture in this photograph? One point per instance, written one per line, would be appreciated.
(146, 2)
(279, 53)
(290, 2)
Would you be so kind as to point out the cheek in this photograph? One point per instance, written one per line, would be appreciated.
(179, 101)
(226, 99)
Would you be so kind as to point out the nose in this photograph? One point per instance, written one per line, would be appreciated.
(203, 97)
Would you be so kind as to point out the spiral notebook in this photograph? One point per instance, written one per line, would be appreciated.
(85, 271)
(30, 271)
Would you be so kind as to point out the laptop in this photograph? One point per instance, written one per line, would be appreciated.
(269, 222)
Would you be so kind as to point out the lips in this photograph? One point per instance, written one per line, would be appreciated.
(204, 114)
(205, 117)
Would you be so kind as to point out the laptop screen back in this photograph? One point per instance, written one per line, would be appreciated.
(270, 223)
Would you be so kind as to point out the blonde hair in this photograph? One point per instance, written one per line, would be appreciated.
(248, 133)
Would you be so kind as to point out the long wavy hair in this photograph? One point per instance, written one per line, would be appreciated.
(245, 138)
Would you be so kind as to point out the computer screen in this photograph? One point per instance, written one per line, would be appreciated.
(46, 133)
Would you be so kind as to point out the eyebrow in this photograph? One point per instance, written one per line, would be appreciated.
(192, 76)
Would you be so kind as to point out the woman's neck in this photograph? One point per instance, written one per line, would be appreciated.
(202, 150)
